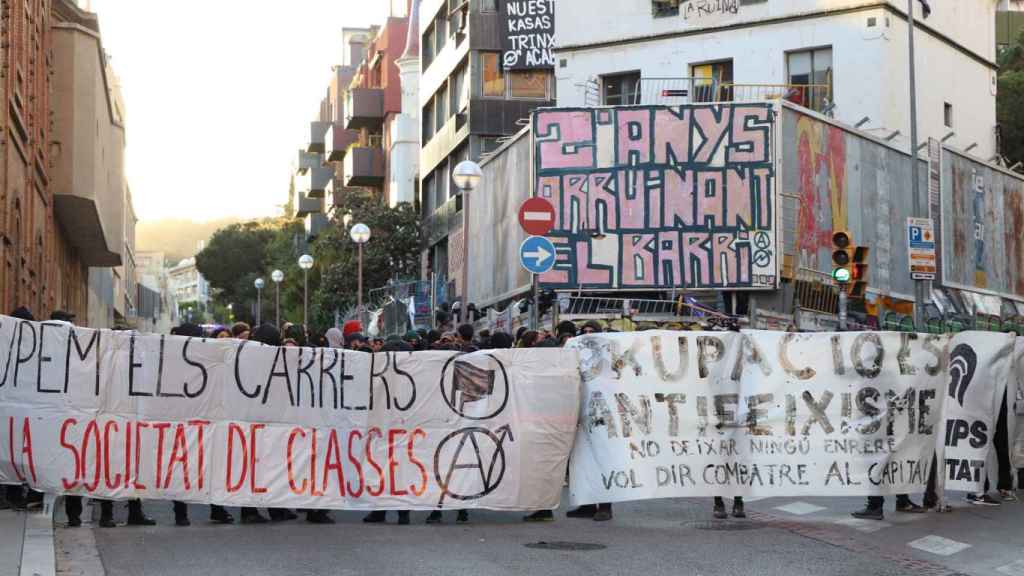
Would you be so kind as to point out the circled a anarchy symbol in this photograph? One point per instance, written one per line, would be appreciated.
(490, 473)
(762, 254)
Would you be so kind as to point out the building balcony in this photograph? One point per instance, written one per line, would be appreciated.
(83, 226)
(316, 224)
(364, 166)
(317, 137)
(364, 108)
(313, 182)
(307, 205)
(337, 142)
(308, 160)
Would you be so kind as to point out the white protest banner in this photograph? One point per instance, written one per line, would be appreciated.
(1016, 417)
(980, 366)
(122, 415)
(676, 414)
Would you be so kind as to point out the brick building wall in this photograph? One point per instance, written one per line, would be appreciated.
(38, 267)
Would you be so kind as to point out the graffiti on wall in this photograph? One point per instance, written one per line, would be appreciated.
(821, 156)
(983, 227)
(656, 196)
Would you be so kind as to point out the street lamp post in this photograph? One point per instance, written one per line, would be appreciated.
(259, 300)
(360, 234)
(466, 177)
(920, 293)
(277, 276)
(305, 262)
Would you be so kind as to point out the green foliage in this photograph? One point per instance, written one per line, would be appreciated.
(1010, 115)
(393, 251)
(1010, 102)
(1011, 59)
(240, 253)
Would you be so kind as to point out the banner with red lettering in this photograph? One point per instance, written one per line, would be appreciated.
(124, 415)
(678, 414)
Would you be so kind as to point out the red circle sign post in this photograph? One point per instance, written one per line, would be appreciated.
(537, 216)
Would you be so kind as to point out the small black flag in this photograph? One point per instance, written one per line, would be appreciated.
(473, 383)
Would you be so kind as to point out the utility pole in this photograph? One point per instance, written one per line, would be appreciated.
(919, 285)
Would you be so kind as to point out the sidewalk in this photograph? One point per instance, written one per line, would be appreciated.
(12, 535)
(26, 542)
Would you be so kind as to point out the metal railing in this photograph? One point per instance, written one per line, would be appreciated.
(589, 306)
(817, 97)
(690, 90)
(815, 291)
(673, 91)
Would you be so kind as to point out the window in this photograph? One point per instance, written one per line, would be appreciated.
(427, 42)
(712, 82)
(620, 89)
(493, 75)
(810, 77)
(947, 114)
(528, 83)
(488, 5)
(440, 32)
(440, 109)
(429, 200)
(428, 121)
(458, 96)
(664, 8)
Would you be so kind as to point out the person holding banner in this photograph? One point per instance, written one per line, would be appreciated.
(269, 335)
(218, 514)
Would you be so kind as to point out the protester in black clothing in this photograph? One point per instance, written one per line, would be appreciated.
(1004, 481)
(501, 341)
(17, 496)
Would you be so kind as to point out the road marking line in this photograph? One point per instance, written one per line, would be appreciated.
(800, 508)
(1015, 569)
(939, 545)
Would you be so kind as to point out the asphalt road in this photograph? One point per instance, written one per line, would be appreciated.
(790, 537)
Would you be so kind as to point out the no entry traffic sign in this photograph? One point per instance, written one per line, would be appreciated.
(537, 216)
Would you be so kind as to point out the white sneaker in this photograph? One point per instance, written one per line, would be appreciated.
(1008, 496)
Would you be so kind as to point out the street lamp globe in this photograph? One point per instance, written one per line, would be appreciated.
(305, 261)
(259, 283)
(360, 233)
(277, 276)
(467, 175)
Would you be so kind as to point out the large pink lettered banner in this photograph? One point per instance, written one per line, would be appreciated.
(657, 196)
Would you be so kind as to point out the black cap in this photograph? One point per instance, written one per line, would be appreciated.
(23, 313)
(62, 315)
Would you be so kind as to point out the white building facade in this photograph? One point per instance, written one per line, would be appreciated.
(852, 53)
(187, 286)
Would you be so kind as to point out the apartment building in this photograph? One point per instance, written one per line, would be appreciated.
(1009, 22)
(847, 59)
(469, 102)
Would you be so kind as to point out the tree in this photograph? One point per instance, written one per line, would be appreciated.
(240, 253)
(1010, 102)
(393, 252)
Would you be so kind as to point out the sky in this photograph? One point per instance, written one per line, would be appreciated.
(219, 95)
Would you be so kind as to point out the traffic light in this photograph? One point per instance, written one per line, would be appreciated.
(859, 272)
(842, 257)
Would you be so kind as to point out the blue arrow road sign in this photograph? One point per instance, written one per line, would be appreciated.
(537, 254)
